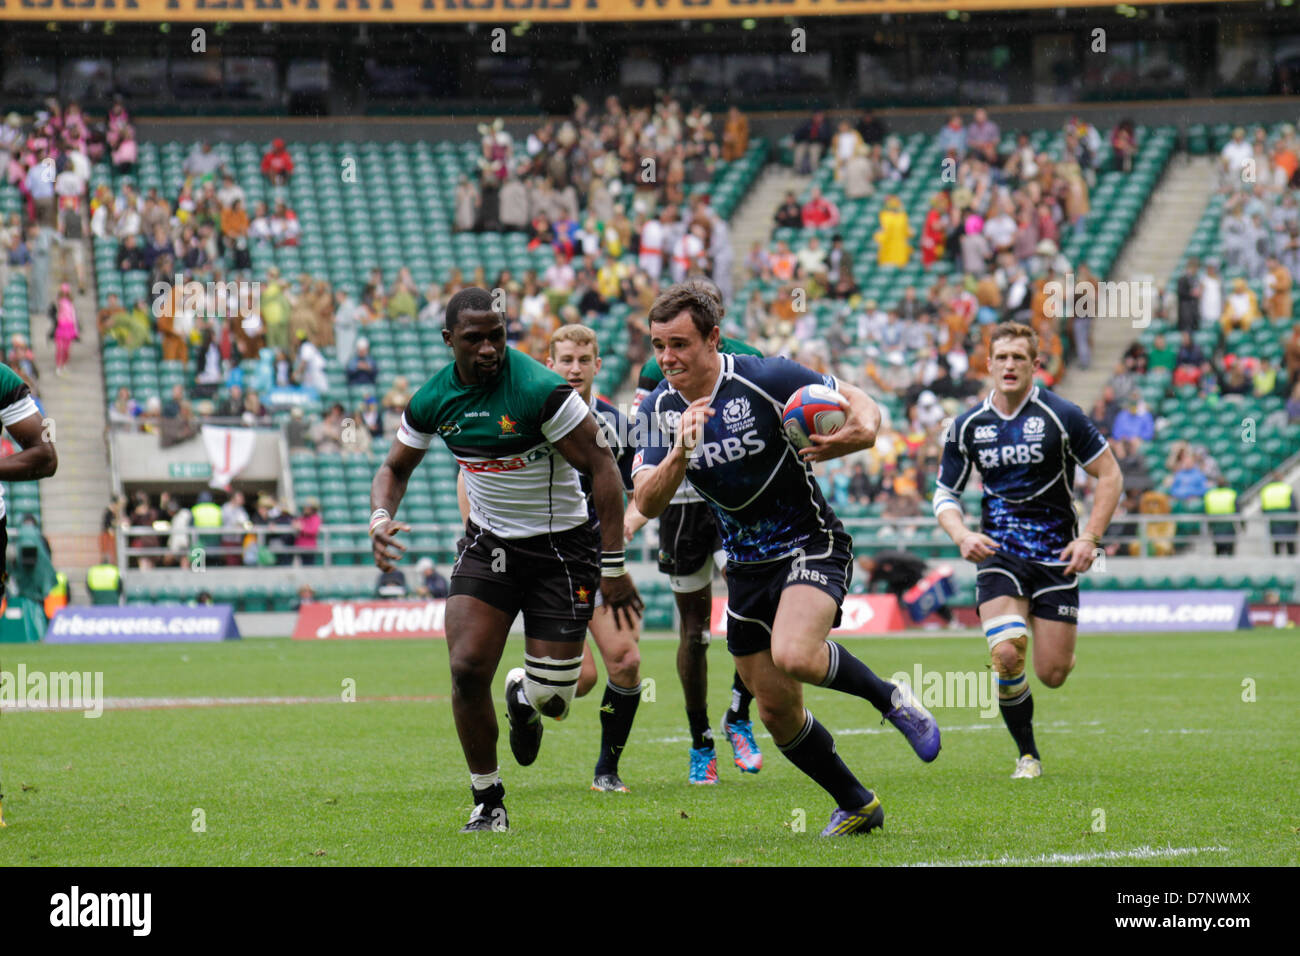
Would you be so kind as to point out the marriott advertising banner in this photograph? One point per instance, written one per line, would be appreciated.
(372, 620)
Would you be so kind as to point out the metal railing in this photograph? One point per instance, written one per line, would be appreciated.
(1129, 535)
(349, 544)
(216, 547)
(137, 425)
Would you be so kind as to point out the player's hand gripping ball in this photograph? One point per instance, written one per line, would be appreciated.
(813, 410)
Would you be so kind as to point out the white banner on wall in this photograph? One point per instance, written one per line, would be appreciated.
(229, 450)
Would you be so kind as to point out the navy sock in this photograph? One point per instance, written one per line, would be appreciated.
(701, 735)
(849, 675)
(617, 710)
(813, 752)
(1018, 712)
(740, 698)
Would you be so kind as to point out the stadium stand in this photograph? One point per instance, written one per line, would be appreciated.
(357, 218)
(22, 499)
(346, 233)
(1117, 202)
(900, 471)
(1230, 383)
(386, 221)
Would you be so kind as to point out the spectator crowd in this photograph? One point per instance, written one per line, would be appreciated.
(1202, 356)
(47, 161)
(608, 192)
(996, 220)
(270, 533)
(617, 196)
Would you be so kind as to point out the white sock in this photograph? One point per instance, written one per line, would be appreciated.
(481, 781)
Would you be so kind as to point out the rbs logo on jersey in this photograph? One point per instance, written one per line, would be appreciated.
(712, 453)
(1010, 455)
(1022, 454)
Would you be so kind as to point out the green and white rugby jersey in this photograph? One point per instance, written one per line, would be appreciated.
(16, 403)
(519, 486)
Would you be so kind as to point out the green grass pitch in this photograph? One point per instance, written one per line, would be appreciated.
(1151, 755)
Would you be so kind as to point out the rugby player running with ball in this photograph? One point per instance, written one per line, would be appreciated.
(715, 420)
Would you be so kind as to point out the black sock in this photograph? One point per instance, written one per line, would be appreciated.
(740, 698)
(813, 752)
(851, 676)
(617, 709)
(701, 735)
(945, 613)
(493, 796)
(1019, 715)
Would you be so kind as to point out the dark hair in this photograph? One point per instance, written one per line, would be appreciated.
(1014, 330)
(471, 299)
(700, 297)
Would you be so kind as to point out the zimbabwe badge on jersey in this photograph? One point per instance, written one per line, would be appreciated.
(507, 424)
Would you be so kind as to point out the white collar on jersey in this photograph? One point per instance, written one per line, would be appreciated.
(724, 367)
(1032, 395)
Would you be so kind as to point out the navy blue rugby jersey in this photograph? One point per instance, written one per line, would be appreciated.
(613, 427)
(1027, 464)
(766, 499)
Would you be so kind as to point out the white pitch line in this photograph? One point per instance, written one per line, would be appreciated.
(1137, 853)
(180, 703)
(1050, 727)
(846, 732)
(173, 703)
(908, 635)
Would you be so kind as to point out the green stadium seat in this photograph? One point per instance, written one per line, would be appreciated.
(257, 598)
(282, 596)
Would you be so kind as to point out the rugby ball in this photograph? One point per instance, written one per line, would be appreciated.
(814, 409)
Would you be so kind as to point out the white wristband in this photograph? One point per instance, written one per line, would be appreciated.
(378, 517)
